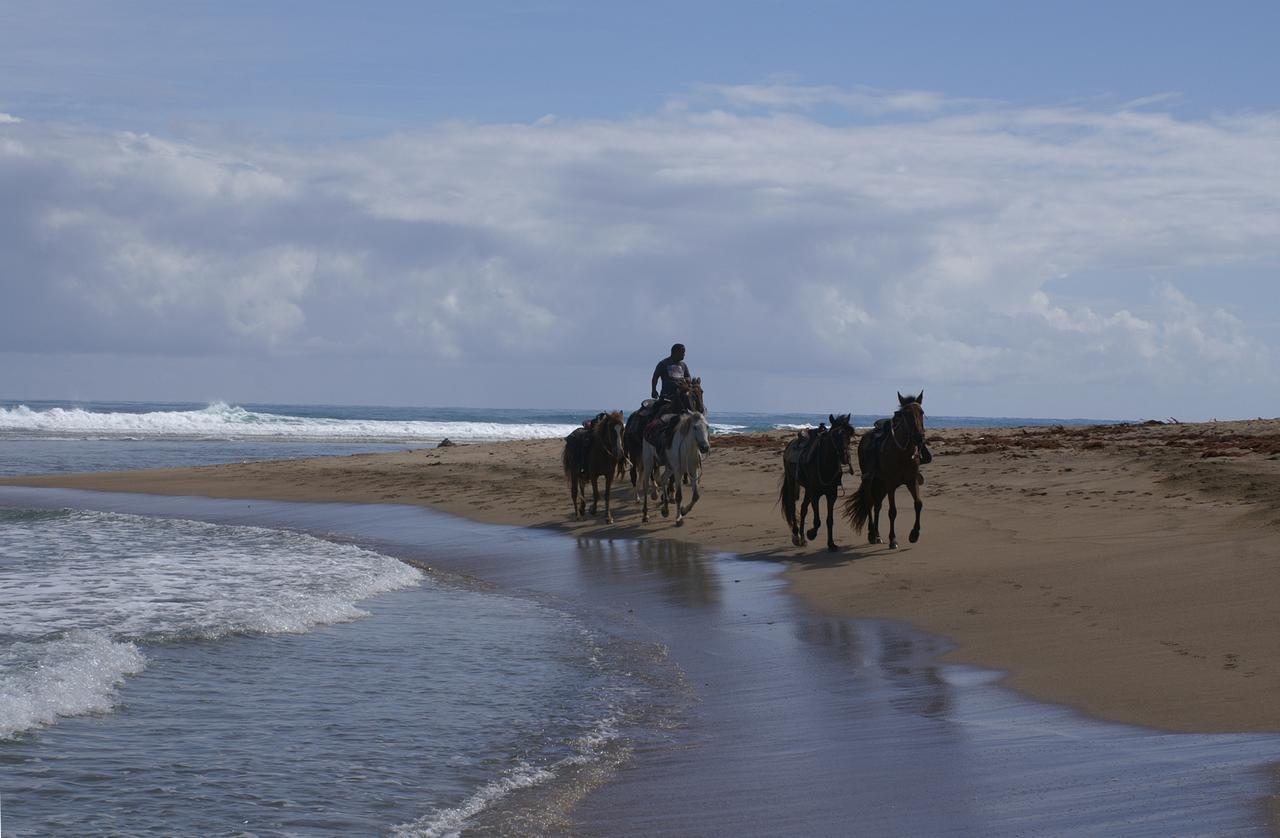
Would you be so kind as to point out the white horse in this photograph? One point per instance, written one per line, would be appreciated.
(683, 458)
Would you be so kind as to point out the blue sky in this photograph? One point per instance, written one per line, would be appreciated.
(1024, 208)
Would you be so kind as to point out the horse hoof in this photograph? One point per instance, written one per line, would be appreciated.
(644, 519)
(679, 522)
(914, 537)
(873, 541)
(665, 514)
(795, 539)
(832, 548)
(812, 534)
(893, 545)
(608, 519)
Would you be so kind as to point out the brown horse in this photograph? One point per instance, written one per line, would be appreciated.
(889, 456)
(817, 465)
(688, 397)
(599, 455)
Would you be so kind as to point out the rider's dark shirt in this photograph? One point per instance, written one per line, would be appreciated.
(671, 372)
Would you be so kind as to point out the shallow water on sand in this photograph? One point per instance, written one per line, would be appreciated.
(777, 721)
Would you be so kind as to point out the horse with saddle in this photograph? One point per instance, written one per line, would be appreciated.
(656, 420)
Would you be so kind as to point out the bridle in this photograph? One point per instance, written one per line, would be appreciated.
(915, 436)
(842, 451)
(607, 435)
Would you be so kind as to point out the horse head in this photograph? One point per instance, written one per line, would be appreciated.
(700, 431)
(912, 412)
(695, 397)
(842, 433)
(689, 396)
(608, 429)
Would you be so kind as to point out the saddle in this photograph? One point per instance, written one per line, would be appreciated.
(884, 427)
(659, 430)
(579, 441)
(807, 444)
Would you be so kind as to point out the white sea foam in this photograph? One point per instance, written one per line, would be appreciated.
(451, 822)
(73, 675)
(221, 421)
(82, 589)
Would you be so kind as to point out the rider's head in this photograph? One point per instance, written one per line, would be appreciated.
(677, 351)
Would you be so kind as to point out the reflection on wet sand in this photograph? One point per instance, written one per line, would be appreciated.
(688, 576)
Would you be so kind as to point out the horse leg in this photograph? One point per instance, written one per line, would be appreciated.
(664, 483)
(914, 489)
(693, 485)
(573, 494)
(875, 500)
(644, 479)
(595, 493)
(608, 490)
(831, 517)
(893, 514)
(678, 480)
(811, 497)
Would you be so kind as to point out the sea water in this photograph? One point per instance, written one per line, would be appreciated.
(162, 675)
(171, 676)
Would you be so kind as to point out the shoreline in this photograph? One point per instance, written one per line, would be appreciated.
(1125, 571)
(826, 701)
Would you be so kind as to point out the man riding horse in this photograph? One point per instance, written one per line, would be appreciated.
(672, 371)
(680, 392)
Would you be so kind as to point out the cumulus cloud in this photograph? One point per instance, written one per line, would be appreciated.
(934, 246)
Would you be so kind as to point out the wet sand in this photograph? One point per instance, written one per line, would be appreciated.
(785, 721)
(1131, 572)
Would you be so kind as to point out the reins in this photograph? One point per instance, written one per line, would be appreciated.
(835, 477)
(603, 433)
(893, 431)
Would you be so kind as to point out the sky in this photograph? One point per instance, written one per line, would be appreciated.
(1022, 209)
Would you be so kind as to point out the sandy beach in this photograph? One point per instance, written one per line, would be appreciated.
(1128, 571)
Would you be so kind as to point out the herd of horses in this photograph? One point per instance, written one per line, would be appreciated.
(664, 443)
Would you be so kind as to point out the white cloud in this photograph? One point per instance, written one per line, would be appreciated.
(935, 248)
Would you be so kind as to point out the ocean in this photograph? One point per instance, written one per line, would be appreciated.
(199, 667)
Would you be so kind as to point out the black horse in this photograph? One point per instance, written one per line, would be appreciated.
(815, 462)
(890, 455)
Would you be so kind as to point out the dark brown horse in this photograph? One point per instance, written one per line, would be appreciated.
(889, 456)
(688, 397)
(816, 464)
(591, 453)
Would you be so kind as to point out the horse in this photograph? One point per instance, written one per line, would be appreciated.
(688, 396)
(817, 466)
(683, 458)
(604, 452)
(889, 456)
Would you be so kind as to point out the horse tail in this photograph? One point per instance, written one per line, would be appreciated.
(567, 461)
(857, 507)
(790, 492)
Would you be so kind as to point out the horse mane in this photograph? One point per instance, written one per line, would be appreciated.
(686, 419)
(607, 420)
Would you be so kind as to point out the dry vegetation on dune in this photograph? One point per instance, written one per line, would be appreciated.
(1238, 461)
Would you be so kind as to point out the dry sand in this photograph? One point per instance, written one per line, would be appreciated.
(1130, 571)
